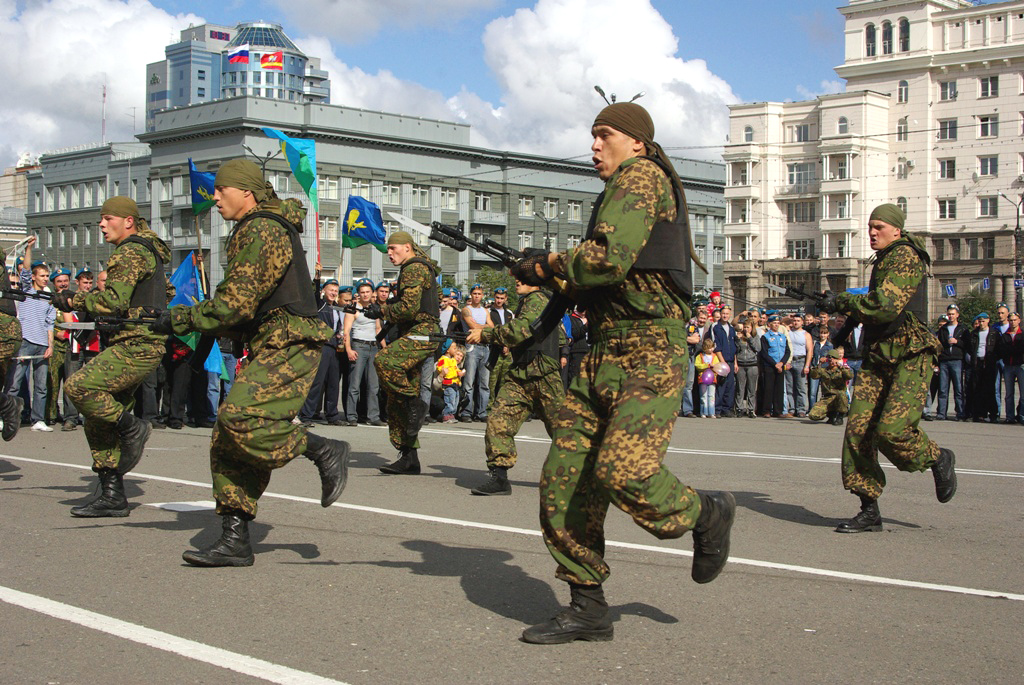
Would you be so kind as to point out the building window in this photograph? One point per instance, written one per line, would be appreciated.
(903, 92)
(800, 249)
(421, 196)
(449, 199)
(988, 208)
(575, 208)
(947, 169)
(947, 90)
(391, 194)
(801, 173)
(947, 129)
(550, 208)
(886, 38)
(801, 212)
(525, 206)
(988, 126)
(869, 40)
(844, 126)
(360, 188)
(201, 75)
(717, 254)
(947, 209)
(748, 134)
(801, 133)
(989, 86)
(972, 248)
(700, 253)
(988, 166)
(525, 239)
(904, 35)
(940, 249)
(901, 130)
(988, 248)
(901, 202)
(482, 202)
(327, 187)
(572, 241)
(738, 213)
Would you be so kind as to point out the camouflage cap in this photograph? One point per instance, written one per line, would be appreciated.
(835, 354)
(401, 238)
(890, 214)
(120, 206)
(244, 174)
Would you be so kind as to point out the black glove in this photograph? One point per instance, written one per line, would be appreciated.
(162, 323)
(827, 302)
(525, 270)
(62, 300)
(372, 311)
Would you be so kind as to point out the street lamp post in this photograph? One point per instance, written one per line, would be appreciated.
(547, 229)
(1017, 272)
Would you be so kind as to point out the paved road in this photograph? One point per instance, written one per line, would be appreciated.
(412, 579)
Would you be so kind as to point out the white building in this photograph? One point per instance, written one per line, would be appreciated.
(932, 119)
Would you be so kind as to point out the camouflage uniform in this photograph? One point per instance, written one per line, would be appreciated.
(610, 436)
(55, 375)
(535, 385)
(398, 364)
(105, 388)
(892, 386)
(254, 433)
(10, 341)
(833, 401)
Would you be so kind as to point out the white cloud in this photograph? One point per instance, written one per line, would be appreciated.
(60, 54)
(824, 88)
(356, 20)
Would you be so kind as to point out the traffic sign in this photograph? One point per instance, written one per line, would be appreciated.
(1018, 283)
(985, 284)
(950, 290)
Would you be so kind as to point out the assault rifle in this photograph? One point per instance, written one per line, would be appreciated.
(440, 337)
(818, 299)
(21, 295)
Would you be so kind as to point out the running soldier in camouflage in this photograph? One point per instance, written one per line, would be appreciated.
(892, 386)
(632, 273)
(264, 300)
(10, 341)
(832, 375)
(103, 391)
(413, 311)
(532, 382)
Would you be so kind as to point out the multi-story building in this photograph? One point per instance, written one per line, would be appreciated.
(205, 66)
(931, 120)
(425, 169)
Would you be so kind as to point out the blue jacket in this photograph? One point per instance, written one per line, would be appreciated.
(724, 343)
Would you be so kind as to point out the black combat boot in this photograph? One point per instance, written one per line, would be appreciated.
(711, 535)
(232, 549)
(407, 464)
(331, 459)
(586, 618)
(945, 475)
(837, 420)
(497, 484)
(10, 412)
(869, 520)
(109, 502)
(132, 434)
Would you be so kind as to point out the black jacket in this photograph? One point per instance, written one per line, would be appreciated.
(953, 352)
(1011, 348)
(991, 348)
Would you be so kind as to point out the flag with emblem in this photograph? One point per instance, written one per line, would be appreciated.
(272, 60)
(202, 188)
(301, 156)
(363, 224)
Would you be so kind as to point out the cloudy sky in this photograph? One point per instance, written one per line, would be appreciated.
(521, 72)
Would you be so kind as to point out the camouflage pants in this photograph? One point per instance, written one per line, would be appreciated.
(104, 388)
(55, 377)
(498, 374)
(607, 447)
(254, 433)
(888, 400)
(518, 396)
(832, 403)
(10, 341)
(398, 369)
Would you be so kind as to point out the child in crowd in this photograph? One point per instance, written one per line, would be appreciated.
(832, 374)
(451, 379)
(705, 361)
(822, 346)
(748, 346)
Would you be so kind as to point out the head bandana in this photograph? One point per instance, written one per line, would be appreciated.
(244, 175)
(890, 214)
(405, 238)
(123, 207)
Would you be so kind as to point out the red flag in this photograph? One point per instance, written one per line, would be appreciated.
(272, 60)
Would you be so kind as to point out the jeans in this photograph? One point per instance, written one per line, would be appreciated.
(1013, 379)
(360, 368)
(214, 390)
(725, 400)
(476, 381)
(38, 369)
(854, 365)
(72, 363)
(707, 400)
(950, 372)
(796, 384)
(326, 386)
(427, 379)
(451, 399)
(688, 390)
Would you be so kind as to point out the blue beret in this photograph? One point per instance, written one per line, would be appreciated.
(446, 291)
(345, 289)
(60, 272)
(383, 284)
(82, 272)
(329, 281)
(363, 281)
(982, 315)
(38, 262)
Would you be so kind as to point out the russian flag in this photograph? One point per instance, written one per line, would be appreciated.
(239, 55)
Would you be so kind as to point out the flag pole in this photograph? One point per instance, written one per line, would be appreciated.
(202, 262)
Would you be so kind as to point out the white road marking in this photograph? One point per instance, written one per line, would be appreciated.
(189, 649)
(809, 570)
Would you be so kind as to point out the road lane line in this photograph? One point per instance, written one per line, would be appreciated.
(190, 649)
(808, 570)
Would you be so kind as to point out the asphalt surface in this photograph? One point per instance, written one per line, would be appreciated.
(412, 579)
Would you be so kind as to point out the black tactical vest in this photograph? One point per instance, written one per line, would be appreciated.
(669, 246)
(915, 305)
(548, 346)
(152, 290)
(429, 303)
(294, 292)
(7, 306)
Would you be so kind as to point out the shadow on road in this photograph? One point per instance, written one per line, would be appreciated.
(7, 471)
(491, 583)
(796, 513)
(468, 478)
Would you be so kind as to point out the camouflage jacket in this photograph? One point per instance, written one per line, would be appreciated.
(129, 264)
(833, 378)
(405, 312)
(10, 330)
(517, 332)
(637, 196)
(898, 275)
(258, 254)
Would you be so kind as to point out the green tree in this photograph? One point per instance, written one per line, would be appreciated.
(493, 278)
(973, 303)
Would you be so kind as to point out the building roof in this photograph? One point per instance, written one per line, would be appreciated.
(261, 34)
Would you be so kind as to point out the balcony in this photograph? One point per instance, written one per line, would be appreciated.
(742, 191)
(481, 216)
(810, 189)
(844, 225)
(742, 228)
(841, 185)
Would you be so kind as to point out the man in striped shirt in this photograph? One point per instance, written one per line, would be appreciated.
(37, 318)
